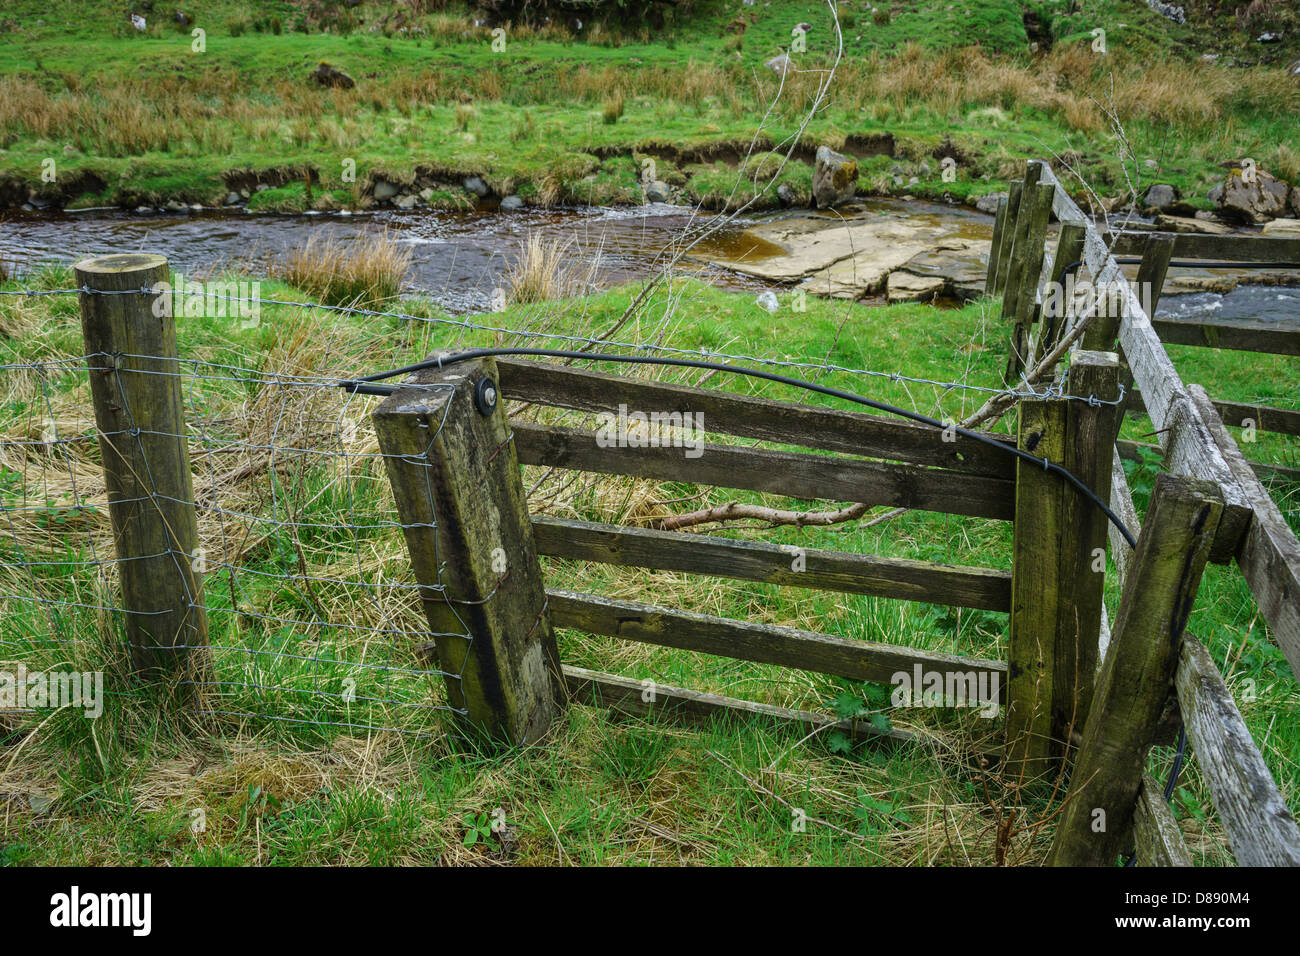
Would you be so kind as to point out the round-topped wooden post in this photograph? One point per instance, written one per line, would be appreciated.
(130, 338)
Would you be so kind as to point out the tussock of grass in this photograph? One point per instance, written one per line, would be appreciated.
(542, 272)
(364, 272)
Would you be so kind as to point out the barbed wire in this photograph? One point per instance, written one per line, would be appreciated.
(1050, 391)
(294, 639)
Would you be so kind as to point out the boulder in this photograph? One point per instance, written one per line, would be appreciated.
(476, 186)
(232, 199)
(1285, 228)
(331, 76)
(767, 301)
(658, 191)
(1293, 202)
(989, 203)
(1257, 201)
(1182, 224)
(406, 201)
(385, 190)
(835, 178)
(427, 194)
(512, 204)
(1160, 196)
(786, 195)
(906, 287)
(780, 65)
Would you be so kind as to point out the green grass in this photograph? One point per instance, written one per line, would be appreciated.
(125, 788)
(161, 122)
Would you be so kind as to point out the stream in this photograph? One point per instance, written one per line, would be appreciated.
(458, 259)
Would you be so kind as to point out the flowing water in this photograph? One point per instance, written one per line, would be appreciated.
(459, 258)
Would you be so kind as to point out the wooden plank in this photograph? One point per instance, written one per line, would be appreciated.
(1136, 676)
(1066, 257)
(1236, 248)
(995, 247)
(1027, 257)
(1157, 839)
(1121, 502)
(1189, 450)
(1242, 335)
(1270, 554)
(783, 473)
(464, 515)
(1265, 418)
(644, 698)
(1132, 451)
(1089, 455)
(1250, 807)
(826, 429)
(1007, 240)
(761, 643)
(1035, 590)
(775, 564)
(135, 386)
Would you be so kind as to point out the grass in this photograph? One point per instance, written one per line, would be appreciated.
(133, 119)
(125, 789)
(366, 272)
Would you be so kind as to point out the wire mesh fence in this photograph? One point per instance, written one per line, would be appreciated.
(314, 618)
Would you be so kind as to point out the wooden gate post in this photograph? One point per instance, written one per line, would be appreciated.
(1036, 587)
(1089, 453)
(455, 475)
(136, 389)
(1138, 672)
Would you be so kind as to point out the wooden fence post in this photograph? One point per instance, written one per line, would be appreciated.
(1000, 258)
(1089, 455)
(451, 460)
(1035, 586)
(139, 410)
(1026, 265)
(1138, 672)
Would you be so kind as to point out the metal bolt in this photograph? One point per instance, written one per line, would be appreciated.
(485, 396)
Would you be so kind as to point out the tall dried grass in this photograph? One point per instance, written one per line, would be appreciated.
(363, 272)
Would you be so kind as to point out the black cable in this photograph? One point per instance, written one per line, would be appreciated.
(363, 386)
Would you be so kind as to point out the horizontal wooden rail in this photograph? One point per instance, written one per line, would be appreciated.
(1189, 449)
(1266, 418)
(774, 564)
(1235, 248)
(761, 643)
(1250, 807)
(1241, 335)
(1269, 556)
(1132, 451)
(827, 429)
(629, 696)
(802, 476)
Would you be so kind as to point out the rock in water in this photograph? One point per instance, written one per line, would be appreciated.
(476, 186)
(1160, 196)
(1255, 200)
(835, 178)
(989, 204)
(330, 76)
(512, 204)
(780, 65)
